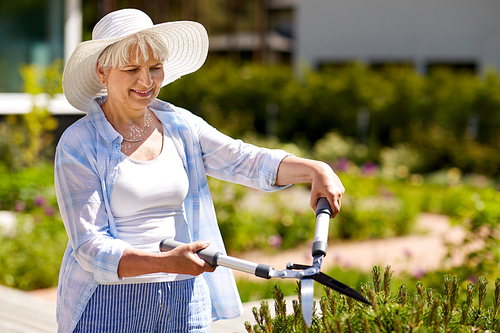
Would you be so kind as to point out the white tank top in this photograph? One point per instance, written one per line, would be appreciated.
(146, 202)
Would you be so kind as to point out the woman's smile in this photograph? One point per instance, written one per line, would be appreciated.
(142, 93)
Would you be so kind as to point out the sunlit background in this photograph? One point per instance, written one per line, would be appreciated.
(401, 98)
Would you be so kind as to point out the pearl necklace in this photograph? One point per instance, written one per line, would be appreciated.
(135, 130)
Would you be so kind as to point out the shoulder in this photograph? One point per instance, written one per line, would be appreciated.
(80, 128)
(78, 139)
(163, 107)
(168, 112)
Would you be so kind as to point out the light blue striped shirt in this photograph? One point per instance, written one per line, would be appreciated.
(86, 163)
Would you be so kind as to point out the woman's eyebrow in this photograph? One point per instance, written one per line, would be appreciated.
(130, 65)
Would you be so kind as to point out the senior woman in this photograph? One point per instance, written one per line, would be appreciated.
(134, 170)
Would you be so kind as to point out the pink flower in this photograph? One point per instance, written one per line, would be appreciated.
(274, 241)
(342, 164)
(337, 259)
(19, 206)
(472, 278)
(39, 200)
(49, 211)
(418, 273)
(369, 169)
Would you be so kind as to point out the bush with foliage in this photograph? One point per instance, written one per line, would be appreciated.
(268, 221)
(31, 257)
(446, 119)
(479, 215)
(31, 254)
(27, 139)
(423, 311)
(416, 125)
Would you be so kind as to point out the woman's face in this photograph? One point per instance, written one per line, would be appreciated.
(135, 85)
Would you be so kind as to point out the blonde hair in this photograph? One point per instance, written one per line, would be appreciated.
(146, 45)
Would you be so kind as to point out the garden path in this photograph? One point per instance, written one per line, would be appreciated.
(422, 251)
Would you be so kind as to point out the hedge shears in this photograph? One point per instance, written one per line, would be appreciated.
(307, 274)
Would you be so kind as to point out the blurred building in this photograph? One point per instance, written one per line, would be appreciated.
(36, 32)
(271, 41)
(423, 34)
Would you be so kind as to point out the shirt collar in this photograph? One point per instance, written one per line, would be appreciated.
(104, 127)
(98, 119)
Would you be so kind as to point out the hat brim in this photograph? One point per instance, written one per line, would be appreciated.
(186, 41)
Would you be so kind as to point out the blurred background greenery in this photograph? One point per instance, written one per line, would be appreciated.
(416, 153)
(402, 142)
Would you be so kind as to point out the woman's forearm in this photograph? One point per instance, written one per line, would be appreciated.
(294, 170)
(324, 182)
(181, 260)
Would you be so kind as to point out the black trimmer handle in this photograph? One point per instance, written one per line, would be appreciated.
(216, 258)
(209, 255)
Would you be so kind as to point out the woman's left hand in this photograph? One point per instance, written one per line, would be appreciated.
(324, 182)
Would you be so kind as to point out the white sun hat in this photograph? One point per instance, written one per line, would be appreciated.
(187, 44)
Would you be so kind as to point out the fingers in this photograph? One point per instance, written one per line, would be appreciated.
(195, 247)
(336, 205)
(198, 246)
(328, 186)
(208, 268)
(334, 202)
(185, 260)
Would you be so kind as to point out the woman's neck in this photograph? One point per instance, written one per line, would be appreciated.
(133, 125)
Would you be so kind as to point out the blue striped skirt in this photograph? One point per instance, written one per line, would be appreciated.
(177, 306)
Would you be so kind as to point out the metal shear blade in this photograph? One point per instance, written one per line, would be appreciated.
(333, 284)
(307, 299)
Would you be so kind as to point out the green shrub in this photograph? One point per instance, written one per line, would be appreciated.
(27, 139)
(480, 216)
(251, 290)
(455, 310)
(251, 219)
(31, 258)
(22, 188)
(31, 255)
(429, 119)
(371, 208)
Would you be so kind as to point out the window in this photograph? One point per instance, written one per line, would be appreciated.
(466, 67)
(31, 33)
(391, 64)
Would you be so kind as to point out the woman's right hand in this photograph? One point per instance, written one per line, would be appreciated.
(188, 261)
(181, 260)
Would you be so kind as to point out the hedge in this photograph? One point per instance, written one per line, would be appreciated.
(450, 119)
